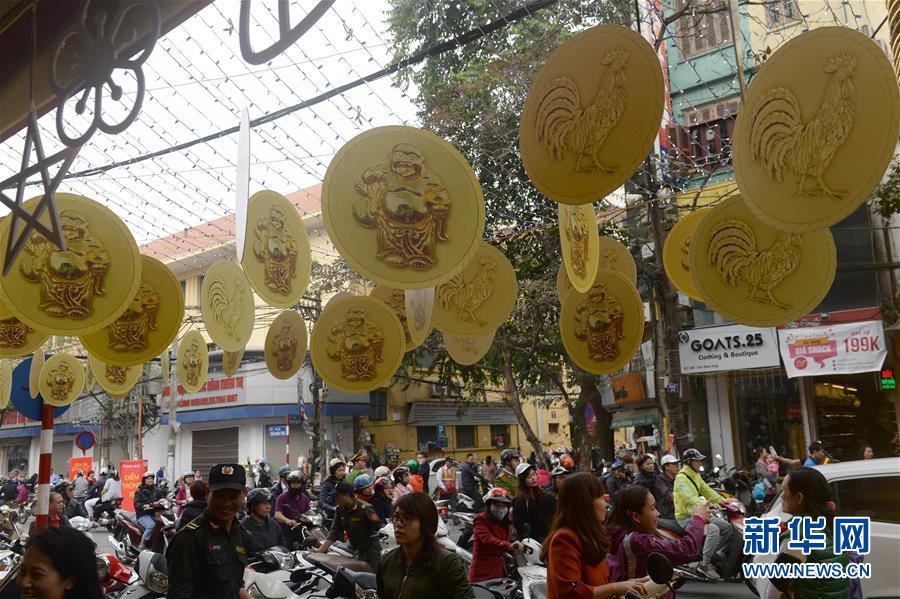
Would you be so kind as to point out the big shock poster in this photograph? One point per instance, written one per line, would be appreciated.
(833, 349)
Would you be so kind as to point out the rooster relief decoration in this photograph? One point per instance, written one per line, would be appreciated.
(463, 298)
(227, 308)
(734, 253)
(564, 124)
(780, 139)
(599, 323)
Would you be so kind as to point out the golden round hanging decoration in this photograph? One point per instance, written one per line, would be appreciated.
(478, 299)
(285, 345)
(149, 324)
(227, 305)
(115, 380)
(817, 129)
(613, 256)
(34, 373)
(676, 252)
(592, 114)
(231, 361)
(755, 274)
(337, 297)
(82, 289)
(357, 344)
(276, 258)
(467, 350)
(17, 339)
(580, 244)
(403, 207)
(603, 328)
(5, 384)
(396, 301)
(193, 361)
(419, 307)
(62, 380)
(89, 379)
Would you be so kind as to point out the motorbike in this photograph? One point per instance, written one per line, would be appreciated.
(105, 513)
(114, 576)
(389, 541)
(126, 541)
(152, 579)
(467, 522)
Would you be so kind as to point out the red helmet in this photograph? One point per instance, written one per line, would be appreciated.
(498, 494)
(567, 462)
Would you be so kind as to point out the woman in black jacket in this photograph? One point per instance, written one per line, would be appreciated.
(532, 510)
(196, 506)
(144, 497)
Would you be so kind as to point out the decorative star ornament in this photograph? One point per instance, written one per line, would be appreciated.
(16, 241)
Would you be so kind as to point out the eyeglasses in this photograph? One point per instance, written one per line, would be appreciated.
(402, 521)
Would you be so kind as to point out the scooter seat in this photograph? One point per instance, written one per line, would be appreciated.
(130, 516)
(365, 580)
(331, 563)
(671, 526)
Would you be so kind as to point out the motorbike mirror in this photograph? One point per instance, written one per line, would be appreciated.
(659, 568)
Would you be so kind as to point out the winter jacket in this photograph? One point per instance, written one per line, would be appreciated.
(261, 536)
(97, 487)
(490, 540)
(568, 575)
(690, 491)
(143, 497)
(543, 476)
(613, 485)
(112, 489)
(665, 503)
(326, 496)
(400, 490)
(537, 515)
(417, 483)
(814, 588)
(629, 560)
(75, 508)
(657, 487)
(189, 511)
(8, 491)
(382, 507)
(265, 480)
(80, 487)
(21, 493)
(469, 478)
(508, 481)
(442, 576)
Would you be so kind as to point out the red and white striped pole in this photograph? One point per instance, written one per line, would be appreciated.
(287, 439)
(45, 464)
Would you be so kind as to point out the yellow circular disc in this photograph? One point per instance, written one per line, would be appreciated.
(193, 361)
(592, 114)
(478, 299)
(466, 350)
(62, 380)
(89, 379)
(676, 252)
(403, 207)
(5, 384)
(16, 338)
(613, 256)
(357, 344)
(603, 328)
(115, 380)
(231, 361)
(34, 373)
(338, 296)
(285, 344)
(419, 306)
(817, 129)
(755, 274)
(580, 244)
(78, 291)
(227, 305)
(276, 255)
(396, 301)
(148, 325)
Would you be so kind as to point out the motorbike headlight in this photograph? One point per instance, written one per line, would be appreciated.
(102, 568)
(158, 582)
(285, 561)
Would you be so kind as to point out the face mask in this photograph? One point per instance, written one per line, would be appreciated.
(499, 512)
(295, 490)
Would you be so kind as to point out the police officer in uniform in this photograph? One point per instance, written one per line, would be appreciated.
(206, 559)
(359, 521)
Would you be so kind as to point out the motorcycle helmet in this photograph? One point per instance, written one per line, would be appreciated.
(399, 473)
(381, 483)
(497, 494)
(295, 476)
(361, 482)
(103, 472)
(668, 459)
(284, 470)
(334, 464)
(617, 465)
(413, 466)
(692, 454)
(567, 462)
(382, 471)
(147, 475)
(187, 473)
(507, 455)
(255, 496)
(559, 470)
(522, 469)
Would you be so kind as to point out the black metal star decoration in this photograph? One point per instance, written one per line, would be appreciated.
(15, 242)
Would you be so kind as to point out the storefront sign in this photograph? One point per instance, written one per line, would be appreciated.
(833, 349)
(733, 347)
(80, 464)
(130, 472)
(628, 388)
(426, 413)
(276, 431)
(888, 382)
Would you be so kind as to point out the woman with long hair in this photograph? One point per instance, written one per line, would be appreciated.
(805, 493)
(532, 509)
(633, 534)
(577, 545)
(60, 564)
(419, 566)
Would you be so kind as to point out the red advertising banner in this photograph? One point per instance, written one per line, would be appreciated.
(130, 472)
(84, 463)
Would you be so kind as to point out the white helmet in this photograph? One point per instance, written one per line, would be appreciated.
(522, 468)
(668, 459)
(187, 473)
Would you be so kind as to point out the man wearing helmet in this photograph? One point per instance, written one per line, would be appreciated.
(265, 479)
(665, 504)
(509, 460)
(364, 487)
(690, 491)
(359, 521)
(337, 471)
(292, 505)
(281, 485)
(262, 532)
(557, 478)
(617, 479)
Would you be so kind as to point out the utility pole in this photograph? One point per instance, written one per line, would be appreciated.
(310, 309)
(173, 411)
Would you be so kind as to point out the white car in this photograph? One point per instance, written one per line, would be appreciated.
(862, 488)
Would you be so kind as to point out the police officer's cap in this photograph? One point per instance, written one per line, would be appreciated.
(227, 476)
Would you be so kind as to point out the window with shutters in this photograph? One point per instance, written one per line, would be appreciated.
(704, 25)
(500, 435)
(781, 12)
(703, 144)
(377, 405)
(426, 437)
(465, 437)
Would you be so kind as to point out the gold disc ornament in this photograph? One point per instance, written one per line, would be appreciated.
(276, 258)
(676, 252)
(80, 290)
(419, 306)
(115, 380)
(5, 384)
(34, 373)
(227, 305)
(17, 339)
(613, 255)
(357, 344)
(193, 361)
(148, 325)
(467, 350)
(580, 244)
(817, 129)
(62, 380)
(396, 301)
(403, 207)
(285, 345)
(231, 361)
(480, 298)
(755, 274)
(603, 328)
(592, 114)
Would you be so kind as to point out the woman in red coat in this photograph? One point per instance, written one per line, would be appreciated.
(492, 529)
